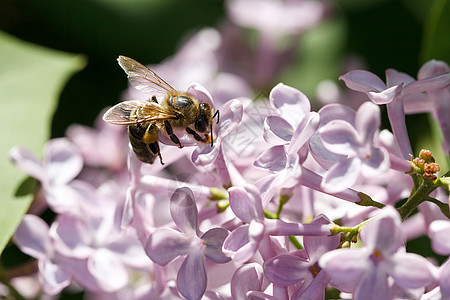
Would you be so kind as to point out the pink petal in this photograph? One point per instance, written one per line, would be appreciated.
(248, 277)
(184, 210)
(290, 103)
(363, 81)
(340, 137)
(376, 163)
(165, 244)
(373, 286)
(383, 232)
(191, 279)
(200, 93)
(445, 278)
(277, 131)
(345, 264)
(72, 236)
(63, 163)
(213, 240)
(385, 96)
(307, 127)
(440, 237)
(287, 269)
(367, 121)
(230, 116)
(433, 68)
(32, 237)
(109, 271)
(394, 77)
(341, 176)
(410, 270)
(55, 277)
(246, 203)
(28, 162)
(273, 159)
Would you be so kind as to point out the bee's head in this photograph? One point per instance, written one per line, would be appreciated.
(204, 120)
(203, 124)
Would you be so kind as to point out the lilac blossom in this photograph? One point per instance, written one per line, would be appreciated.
(61, 164)
(33, 238)
(437, 101)
(252, 236)
(302, 266)
(273, 208)
(293, 129)
(165, 244)
(358, 144)
(398, 86)
(369, 269)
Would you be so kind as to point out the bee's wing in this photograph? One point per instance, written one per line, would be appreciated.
(142, 78)
(136, 111)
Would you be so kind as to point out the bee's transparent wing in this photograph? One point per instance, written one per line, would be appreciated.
(136, 111)
(142, 78)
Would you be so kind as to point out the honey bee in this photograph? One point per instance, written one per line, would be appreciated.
(145, 118)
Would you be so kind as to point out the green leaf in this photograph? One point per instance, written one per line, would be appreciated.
(31, 79)
(436, 44)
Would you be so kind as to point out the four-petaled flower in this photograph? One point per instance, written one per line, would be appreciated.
(166, 244)
(367, 271)
(358, 143)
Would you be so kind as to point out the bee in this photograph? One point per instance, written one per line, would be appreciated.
(145, 118)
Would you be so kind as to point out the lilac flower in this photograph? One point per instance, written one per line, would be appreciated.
(165, 244)
(100, 251)
(33, 238)
(294, 128)
(363, 156)
(302, 266)
(245, 240)
(437, 101)
(398, 86)
(61, 164)
(370, 268)
(328, 113)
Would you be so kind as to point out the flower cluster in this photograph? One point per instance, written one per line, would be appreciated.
(287, 203)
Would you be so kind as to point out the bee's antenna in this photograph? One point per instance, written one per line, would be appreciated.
(218, 116)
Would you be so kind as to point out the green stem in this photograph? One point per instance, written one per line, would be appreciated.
(419, 195)
(295, 242)
(366, 200)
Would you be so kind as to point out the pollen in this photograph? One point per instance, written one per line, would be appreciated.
(377, 253)
(315, 269)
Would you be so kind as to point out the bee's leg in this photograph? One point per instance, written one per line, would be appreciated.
(195, 135)
(172, 136)
(154, 147)
(151, 139)
(154, 99)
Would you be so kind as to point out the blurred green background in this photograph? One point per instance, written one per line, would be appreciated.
(44, 42)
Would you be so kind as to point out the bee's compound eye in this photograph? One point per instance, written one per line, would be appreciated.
(180, 101)
(200, 124)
